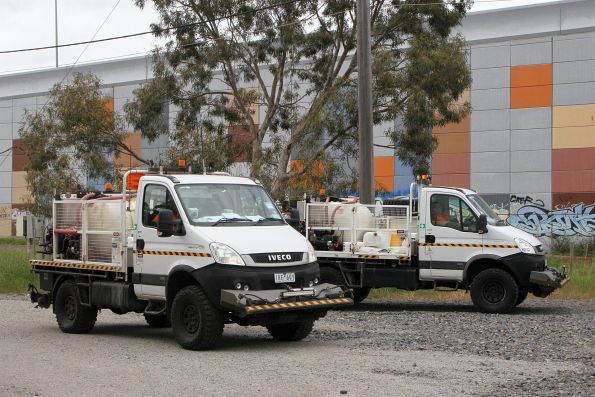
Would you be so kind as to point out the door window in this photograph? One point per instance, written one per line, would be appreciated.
(156, 198)
(452, 212)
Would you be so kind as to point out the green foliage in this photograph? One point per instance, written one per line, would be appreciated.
(295, 60)
(75, 136)
(15, 273)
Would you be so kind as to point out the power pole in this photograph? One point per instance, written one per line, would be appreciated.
(364, 104)
(56, 22)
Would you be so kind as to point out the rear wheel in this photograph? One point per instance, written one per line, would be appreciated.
(291, 332)
(494, 291)
(72, 316)
(196, 323)
(157, 321)
(359, 294)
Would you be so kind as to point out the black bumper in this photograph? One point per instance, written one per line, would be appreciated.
(521, 265)
(217, 277)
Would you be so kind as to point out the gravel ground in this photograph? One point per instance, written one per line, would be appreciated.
(546, 347)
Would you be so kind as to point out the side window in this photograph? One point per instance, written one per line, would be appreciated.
(451, 211)
(156, 198)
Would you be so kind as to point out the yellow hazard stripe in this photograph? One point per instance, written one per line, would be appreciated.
(369, 256)
(467, 245)
(172, 253)
(71, 265)
(277, 306)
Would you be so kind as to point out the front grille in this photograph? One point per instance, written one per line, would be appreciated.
(277, 257)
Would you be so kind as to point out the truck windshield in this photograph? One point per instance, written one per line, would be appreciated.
(480, 205)
(228, 205)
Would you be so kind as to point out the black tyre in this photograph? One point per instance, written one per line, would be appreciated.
(157, 321)
(494, 291)
(291, 332)
(521, 298)
(196, 323)
(72, 316)
(359, 294)
(331, 275)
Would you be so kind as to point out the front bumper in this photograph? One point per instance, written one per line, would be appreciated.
(543, 283)
(318, 298)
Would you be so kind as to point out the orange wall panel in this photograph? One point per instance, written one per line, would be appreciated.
(384, 183)
(126, 161)
(531, 97)
(573, 116)
(457, 180)
(450, 163)
(531, 75)
(564, 200)
(573, 159)
(453, 143)
(463, 126)
(573, 137)
(384, 166)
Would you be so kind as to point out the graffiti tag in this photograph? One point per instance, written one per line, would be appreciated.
(572, 221)
(523, 200)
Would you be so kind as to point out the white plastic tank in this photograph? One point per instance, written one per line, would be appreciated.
(348, 216)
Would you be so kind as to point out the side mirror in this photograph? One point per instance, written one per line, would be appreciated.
(482, 224)
(166, 225)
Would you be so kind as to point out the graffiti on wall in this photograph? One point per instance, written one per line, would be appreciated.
(576, 220)
(526, 200)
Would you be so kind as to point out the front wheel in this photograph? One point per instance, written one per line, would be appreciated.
(359, 294)
(291, 332)
(196, 323)
(494, 291)
(522, 297)
(72, 316)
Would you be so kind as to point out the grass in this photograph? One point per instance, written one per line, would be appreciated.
(12, 241)
(14, 269)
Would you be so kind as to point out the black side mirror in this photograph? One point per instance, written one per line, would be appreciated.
(482, 224)
(166, 224)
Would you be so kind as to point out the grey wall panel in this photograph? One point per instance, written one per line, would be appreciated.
(579, 49)
(536, 182)
(490, 78)
(6, 115)
(490, 182)
(497, 201)
(5, 161)
(531, 160)
(535, 139)
(6, 103)
(574, 94)
(574, 72)
(5, 130)
(18, 112)
(490, 99)
(490, 162)
(490, 120)
(5, 192)
(41, 100)
(490, 141)
(125, 91)
(530, 118)
(531, 54)
(490, 56)
(15, 130)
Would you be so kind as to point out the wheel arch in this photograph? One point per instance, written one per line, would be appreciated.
(180, 276)
(479, 263)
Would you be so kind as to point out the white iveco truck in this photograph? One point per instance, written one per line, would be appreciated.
(445, 238)
(193, 251)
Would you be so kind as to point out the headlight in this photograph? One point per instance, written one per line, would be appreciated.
(524, 246)
(311, 254)
(225, 255)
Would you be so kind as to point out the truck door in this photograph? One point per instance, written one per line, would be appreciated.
(152, 266)
(451, 236)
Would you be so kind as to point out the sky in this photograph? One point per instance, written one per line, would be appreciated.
(31, 23)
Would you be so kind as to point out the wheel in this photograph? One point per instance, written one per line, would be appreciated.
(494, 291)
(331, 275)
(359, 294)
(291, 332)
(196, 323)
(72, 316)
(157, 321)
(521, 298)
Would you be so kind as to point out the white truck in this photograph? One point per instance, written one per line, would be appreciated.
(434, 238)
(190, 251)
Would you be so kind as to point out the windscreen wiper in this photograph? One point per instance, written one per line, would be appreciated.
(226, 220)
(269, 220)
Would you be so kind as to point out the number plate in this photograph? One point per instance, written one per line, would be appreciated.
(282, 278)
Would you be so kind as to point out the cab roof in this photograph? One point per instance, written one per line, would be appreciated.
(199, 178)
(459, 189)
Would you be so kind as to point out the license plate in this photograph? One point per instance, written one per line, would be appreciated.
(282, 278)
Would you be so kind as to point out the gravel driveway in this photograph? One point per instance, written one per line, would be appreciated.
(547, 347)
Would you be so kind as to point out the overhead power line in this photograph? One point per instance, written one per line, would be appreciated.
(265, 8)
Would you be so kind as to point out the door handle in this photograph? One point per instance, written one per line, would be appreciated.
(140, 244)
(430, 238)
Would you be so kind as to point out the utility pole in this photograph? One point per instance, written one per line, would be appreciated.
(364, 104)
(56, 23)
